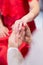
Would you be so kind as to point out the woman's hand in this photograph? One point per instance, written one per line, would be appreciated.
(16, 38)
(19, 23)
(3, 31)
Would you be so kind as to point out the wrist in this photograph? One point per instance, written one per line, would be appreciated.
(25, 19)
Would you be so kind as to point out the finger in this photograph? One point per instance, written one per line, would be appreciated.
(2, 34)
(6, 34)
(20, 25)
(16, 28)
(22, 34)
(13, 27)
(24, 23)
(28, 32)
(6, 31)
(28, 39)
(22, 29)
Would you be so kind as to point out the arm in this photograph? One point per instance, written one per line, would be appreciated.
(34, 11)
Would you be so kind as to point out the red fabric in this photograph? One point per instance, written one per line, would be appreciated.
(32, 26)
(12, 7)
(2, 61)
(3, 50)
(4, 46)
(12, 10)
(24, 48)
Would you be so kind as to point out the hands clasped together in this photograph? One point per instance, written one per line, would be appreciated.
(20, 33)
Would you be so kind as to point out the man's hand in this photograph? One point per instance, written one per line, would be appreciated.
(16, 38)
(27, 37)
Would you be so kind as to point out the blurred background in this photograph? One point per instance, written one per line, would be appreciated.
(39, 18)
(41, 4)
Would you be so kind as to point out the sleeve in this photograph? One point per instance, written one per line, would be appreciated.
(14, 56)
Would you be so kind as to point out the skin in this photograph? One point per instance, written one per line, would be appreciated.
(3, 30)
(34, 10)
(16, 39)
